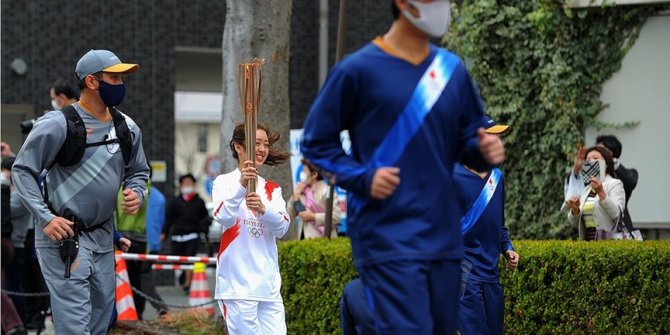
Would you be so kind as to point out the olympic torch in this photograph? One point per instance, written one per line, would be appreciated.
(249, 82)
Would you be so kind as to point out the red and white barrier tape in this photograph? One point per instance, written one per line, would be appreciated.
(172, 267)
(168, 258)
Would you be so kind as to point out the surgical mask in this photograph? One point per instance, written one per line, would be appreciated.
(433, 16)
(111, 95)
(303, 177)
(55, 105)
(187, 190)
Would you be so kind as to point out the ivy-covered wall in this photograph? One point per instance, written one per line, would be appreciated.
(540, 66)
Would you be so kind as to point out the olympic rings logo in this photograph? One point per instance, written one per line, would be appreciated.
(255, 232)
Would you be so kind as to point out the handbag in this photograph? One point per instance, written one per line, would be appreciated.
(622, 233)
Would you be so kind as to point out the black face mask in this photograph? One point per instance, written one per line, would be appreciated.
(111, 95)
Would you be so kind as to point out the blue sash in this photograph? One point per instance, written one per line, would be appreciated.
(425, 95)
(478, 207)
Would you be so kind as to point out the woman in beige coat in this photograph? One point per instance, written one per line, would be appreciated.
(598, 209)
(308, 202)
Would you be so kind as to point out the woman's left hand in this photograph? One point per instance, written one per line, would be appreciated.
(254, 203)
(306, 215)
(597, 187)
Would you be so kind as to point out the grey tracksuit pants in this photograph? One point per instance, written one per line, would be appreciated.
(83, 303)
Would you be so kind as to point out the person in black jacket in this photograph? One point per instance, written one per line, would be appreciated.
(185, 218)
(627, 176)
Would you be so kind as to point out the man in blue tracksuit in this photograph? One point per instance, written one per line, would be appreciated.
(485, 237)
(412, 112)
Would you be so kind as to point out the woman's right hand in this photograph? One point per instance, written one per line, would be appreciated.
(248, 172)
(573, 203)
(579, 161)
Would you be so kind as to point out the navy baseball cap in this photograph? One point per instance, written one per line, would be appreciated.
(96, 61)
(493, 128)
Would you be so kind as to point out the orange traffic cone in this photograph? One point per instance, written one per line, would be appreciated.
(199, 290)
(125, 305)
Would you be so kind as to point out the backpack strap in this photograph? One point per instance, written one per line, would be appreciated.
(122, 133)
(72, 150)
(123, 136)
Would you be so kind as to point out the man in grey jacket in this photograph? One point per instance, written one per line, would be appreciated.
(83, 194)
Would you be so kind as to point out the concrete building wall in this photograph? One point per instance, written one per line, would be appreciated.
(366, 19)
(50, 36)
(640, 92)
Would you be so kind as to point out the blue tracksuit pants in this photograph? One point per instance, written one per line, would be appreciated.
(481, 309)
(417, 297)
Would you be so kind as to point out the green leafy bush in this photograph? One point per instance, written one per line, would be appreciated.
(560, 287)
(540, 66)
(314, 273)
(564, 287)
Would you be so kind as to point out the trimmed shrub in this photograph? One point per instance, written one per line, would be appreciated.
(560, 287)
(314, 273)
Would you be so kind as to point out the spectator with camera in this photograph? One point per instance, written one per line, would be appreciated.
(628, 176)
(597, 209)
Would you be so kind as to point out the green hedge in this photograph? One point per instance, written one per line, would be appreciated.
(560, 287)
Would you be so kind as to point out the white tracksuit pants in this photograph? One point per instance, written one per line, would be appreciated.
(251, 317)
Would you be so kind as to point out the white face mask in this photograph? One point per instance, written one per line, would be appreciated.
(303, 177)
(4, 178)
(187, 190)
(55, 105)
(433, 17)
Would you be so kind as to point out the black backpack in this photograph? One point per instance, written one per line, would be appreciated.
(75, 144)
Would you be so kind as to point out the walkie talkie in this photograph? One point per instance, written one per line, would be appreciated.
(69, 248)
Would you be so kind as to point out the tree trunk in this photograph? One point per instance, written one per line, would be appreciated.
(258, 28)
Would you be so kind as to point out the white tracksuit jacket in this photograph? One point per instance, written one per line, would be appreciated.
(247, 263)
